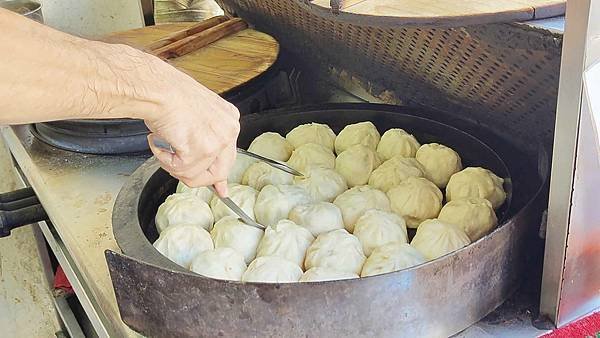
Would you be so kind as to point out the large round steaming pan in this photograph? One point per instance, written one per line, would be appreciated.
(439, 298)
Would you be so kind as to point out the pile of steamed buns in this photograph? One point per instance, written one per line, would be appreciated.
(346, 217)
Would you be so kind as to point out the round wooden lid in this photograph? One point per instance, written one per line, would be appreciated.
(436, 12)
(221, 65)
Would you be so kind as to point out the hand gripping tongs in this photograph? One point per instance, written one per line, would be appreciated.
(226, 200)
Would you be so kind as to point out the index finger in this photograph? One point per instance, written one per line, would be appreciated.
(223, 163)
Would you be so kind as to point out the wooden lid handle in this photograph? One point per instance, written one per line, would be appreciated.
(190, 43)
(199, 27)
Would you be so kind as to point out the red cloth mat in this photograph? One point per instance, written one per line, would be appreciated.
(588, 326)
(61, 282)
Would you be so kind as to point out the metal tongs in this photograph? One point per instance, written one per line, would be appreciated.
(237, 210)
(160, 143)
(234, 207)
(273, 163)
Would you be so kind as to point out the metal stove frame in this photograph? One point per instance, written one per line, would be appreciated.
(571, 279)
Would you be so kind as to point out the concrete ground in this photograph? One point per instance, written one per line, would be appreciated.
(26, 303)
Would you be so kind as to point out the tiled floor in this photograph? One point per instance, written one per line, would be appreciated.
(26, 306)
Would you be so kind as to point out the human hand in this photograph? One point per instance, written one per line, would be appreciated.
(105, 81)
(201, 127)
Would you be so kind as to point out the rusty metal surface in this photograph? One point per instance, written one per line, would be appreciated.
(438, 299)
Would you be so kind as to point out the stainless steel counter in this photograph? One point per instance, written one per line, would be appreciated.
(78, 192)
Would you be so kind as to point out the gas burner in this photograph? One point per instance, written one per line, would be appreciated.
(107, 137)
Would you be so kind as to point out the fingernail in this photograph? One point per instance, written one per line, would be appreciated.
(164, 157)
(222, 189)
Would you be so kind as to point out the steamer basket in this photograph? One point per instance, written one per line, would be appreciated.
(503, 74)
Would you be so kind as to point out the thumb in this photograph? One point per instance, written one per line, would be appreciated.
(165, 157)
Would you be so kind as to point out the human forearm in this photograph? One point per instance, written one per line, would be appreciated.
(48, 75)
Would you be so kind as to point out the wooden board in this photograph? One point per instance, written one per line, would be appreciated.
(445, 12)
(220, 66)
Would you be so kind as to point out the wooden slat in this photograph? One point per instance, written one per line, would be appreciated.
(200, 39)
(221, 65)
(196, 28)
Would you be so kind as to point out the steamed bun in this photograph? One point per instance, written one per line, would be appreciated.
(202, 192)
(183, 208)
(476, 182)
(354, 202)
(230, 232)
(311, 154)
(272, 269)
(397, 142)
(376, 228)
(318, 217)
(271, 145)
(219, 263)
(274, 202)
(182, 242)
(323, 184)
(287, 240)
(394, 171)
(391, 257)
(356, 164)
(241, 164)
(440, 162)
(260, 174)
(243, 195)
(337, 250)
(321, 274)
(311, 133)
(416, 199)
(363, 133)
(435, 238)
(474, 215)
